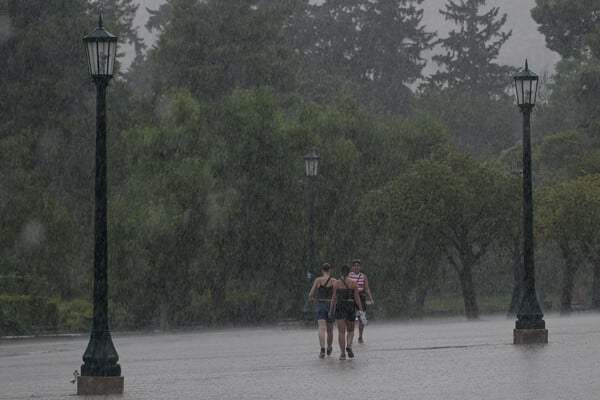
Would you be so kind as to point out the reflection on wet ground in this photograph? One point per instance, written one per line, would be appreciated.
(434, 359)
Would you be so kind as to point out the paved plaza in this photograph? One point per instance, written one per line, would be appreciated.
(431, 359)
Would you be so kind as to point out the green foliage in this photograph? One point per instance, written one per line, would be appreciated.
(447, 206)
(569, 217)
(23, 314)
(75, 315)
(570, 103)
(347, 45)
(469, 122)
(211, 47)
(570, 26)
(558, 156)
(469, 53)
(470, 83)
(570, 214)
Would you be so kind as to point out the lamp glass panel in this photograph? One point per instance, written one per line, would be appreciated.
(92, 57)
(311, 166)
(103, 48)
(112, 46)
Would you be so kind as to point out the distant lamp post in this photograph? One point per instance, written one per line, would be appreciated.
(311, 161)
(100, 372)
(530, 326)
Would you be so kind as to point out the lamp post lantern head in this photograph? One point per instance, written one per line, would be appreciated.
(101, 50)
(311, 160)
(526, 83)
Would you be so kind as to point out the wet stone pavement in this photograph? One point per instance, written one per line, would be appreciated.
(432, 359)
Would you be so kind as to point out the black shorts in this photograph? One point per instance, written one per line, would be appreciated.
(345, 310)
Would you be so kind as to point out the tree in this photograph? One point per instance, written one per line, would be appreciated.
(468, 58)
(46, 135)
(572, 101)
(570, 26)
(473, 128)
(211, 47)
(408, 261)
(569, 217)
(370, 48)
(470, 82)
(454, 204)
(159, 215)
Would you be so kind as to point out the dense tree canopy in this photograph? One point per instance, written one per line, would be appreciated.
(470, 82)
(370, 48)
(213, 46)
(570, 219)
(570, 26)
(469, 53)
(454, 205)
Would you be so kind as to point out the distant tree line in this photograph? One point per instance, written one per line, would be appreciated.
(419, 175)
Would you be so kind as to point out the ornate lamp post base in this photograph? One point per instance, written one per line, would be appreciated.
(530, 336)
(100, 385)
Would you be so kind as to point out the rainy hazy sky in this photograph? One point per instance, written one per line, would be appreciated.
(525, 42)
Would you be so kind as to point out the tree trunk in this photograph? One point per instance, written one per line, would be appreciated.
(468, 290)
(218, 296)
(567, 288)
(164, 310)
(420, 295)
(596, 286)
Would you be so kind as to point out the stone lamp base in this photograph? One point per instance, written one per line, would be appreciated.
(100, 385)
(530, 336)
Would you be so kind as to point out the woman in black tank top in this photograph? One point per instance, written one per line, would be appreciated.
(345, 300)
(323, 286)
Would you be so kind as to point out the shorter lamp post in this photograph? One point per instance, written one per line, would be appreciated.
(100, 372)
(311, 161)
(530, 325)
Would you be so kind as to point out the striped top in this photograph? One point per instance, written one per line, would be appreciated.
(359, 279)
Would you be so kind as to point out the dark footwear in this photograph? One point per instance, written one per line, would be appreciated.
(322, 353)
(360, 340)
(342, 356)
(329, 351)
(350, 352)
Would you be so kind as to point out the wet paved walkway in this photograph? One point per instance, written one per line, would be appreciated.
(436, 359)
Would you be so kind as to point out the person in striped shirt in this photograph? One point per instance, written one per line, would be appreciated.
(363, 290)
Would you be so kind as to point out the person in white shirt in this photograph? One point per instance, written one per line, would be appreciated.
(362, 282)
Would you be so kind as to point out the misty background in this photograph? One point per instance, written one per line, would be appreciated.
(209, 206)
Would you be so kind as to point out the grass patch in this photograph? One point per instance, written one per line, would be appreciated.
(456, 305)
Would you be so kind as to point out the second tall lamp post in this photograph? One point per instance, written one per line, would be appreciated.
(311, 162)
(530, 326)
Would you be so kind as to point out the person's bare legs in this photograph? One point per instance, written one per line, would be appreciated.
(342, 335)
(329, 335)
(322, 328)
(350, 325)
(361, 328)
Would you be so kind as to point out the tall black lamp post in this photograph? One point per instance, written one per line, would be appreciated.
(530, 325)
(100, 359)
(311, 161)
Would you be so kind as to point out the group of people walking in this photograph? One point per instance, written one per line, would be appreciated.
(341, 300)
